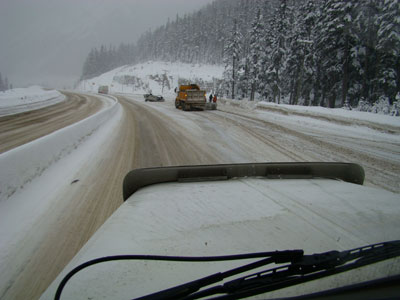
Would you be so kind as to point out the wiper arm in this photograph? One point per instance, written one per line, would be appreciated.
(307, 268)
(302, 268)
(186, 289)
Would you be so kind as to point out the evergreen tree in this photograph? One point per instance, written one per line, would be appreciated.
(279, 31)
(389, 49)
(334, 44)
(364, 53)
(231, 57)
(255, 52)
(307, 26)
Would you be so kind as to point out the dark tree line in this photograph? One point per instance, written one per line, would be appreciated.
(105, 59)
(324, 53)
(4, 84)
(328, 53)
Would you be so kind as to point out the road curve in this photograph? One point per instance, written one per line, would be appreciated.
(142, 139)
(21, 128)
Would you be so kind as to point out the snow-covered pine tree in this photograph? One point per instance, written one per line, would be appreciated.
(389, 49)
(279, 28)
(297, 44)
(264, 89)
(334, 43)
(307, 25)
(255, 52)
(364, 59)
(246, 13)
(231, 57)
(89, 66)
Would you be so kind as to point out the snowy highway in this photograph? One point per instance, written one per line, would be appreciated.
(310, 139)
(234, 134)
(143, 134)
(21, 128)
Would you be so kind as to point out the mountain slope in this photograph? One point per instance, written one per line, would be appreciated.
(156, 77)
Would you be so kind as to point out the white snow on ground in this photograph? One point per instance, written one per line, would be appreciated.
(30, 174)
(156, 77)
(323, 122)
(335, 114)
(23, 99)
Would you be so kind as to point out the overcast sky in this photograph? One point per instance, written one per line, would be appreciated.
(46, 41)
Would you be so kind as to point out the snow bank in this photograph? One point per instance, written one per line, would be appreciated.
(156, 77)
(21, 165)
(347, 117)
(24, 99)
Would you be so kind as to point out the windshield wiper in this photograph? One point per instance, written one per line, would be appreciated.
(186, 289)
(299, 268)
(302, 268)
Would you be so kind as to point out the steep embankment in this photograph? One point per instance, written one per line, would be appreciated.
(156, 77)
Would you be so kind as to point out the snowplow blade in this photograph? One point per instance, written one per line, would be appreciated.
(138, 178)
(210, 106)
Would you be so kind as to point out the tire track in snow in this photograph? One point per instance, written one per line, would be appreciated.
(260, 134)
(380, 171)
(21, 128)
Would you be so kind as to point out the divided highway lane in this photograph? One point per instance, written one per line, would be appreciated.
(21, 128)
(143, 138)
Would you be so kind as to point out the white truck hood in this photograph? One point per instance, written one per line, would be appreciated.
(231, 217)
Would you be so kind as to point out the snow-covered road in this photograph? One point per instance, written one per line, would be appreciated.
(21, 128)
(311, 139)
(235, 134)
(140, 134)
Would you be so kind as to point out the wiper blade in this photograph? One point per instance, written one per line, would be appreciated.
(301, 268)
(307, 268)
(193, 286)
(186, 289)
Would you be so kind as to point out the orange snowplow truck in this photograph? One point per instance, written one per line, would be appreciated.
(190, 97)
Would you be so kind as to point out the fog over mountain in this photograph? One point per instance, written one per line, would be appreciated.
(46, 41)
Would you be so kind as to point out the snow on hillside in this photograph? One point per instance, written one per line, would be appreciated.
(25, 99)
(156, 77)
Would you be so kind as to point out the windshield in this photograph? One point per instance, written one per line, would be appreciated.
(91, 90)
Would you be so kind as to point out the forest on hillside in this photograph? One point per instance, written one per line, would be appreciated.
(328, 53)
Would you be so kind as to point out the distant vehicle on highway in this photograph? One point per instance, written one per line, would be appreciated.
(153, 98)
(103, 89)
